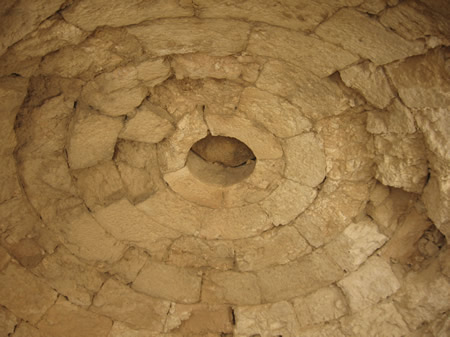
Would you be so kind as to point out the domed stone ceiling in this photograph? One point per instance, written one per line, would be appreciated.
(224, 168)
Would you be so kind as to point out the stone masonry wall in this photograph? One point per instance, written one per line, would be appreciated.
(332, 221)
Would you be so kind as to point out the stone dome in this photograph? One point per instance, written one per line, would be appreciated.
(220, 168)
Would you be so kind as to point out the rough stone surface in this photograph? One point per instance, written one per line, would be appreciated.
(297, 278)
(66, 319)
(169, 282)
(305, 159)
(355, 244)
(231, 287)
(321, 306)
(266, 320)
(267, 109)
(371, 283)
(371, 82)
(181, 36)
(366, 37)
(322, 58)
(121, 303)
(24, 294)
(277, 246)
(92, 138)
(8, 322)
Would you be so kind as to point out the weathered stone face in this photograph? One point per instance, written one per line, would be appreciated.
(224, 168)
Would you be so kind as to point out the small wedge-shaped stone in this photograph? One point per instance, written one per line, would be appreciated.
(367, 37)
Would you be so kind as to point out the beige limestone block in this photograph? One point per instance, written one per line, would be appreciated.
(332, 211)
(348, 147)
(159, 207)
(102, 52)
(92, 138)
(403, 244)
(123, 304)
(309, 273)
(281, 212)
(397, 118)
(138, 182)
(91, 14)
(66, 319)
(444, 262)
(371, 283)
(371, 82)
(436, 199)
(70, 277)
(207, 320)
(12, 93)
(267, 320)
(27, 252)
(323, 305)
(85, 238)
(422, 81)
(126, 223)
(24, 294)
(269, 110)
(99, 185)
(401, 161)
(315, 97)
(172, 152)
(373, 6)
(305, 51)
(9, 65)
(325, 330)
(230, 287)
(277, 246)
(305, 159)
(188, 35)
(181, 285)
(292, 14)
(153, 71)
(149, 125)
(379, 320)
(263, 144)
(195, 253)
(413, 20)
(355, 244)
(424, 294)
(50, 36)
(43, 130)
(367, 37)
(234, 223)
(116, 93)
(22, 18)
(198, 65)
(8, 322)
(136, 154)
(127, 268)
(8, 178)
(26, 330)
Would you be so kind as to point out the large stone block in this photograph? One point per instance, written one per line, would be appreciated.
(268, 109)
(123, 304)
(24, 294)
(277, 246)
(277, 319)
(181, 285)
(309, 273)
(70, 277)
(367, 37)
(92, 138)
(180, 36)
(8, 322)
(66, 319)
(91, 14)
(305, 51)
(370, 284)
(230, 287)
(323, 305)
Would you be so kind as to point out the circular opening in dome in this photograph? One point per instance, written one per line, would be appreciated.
(221, 160)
